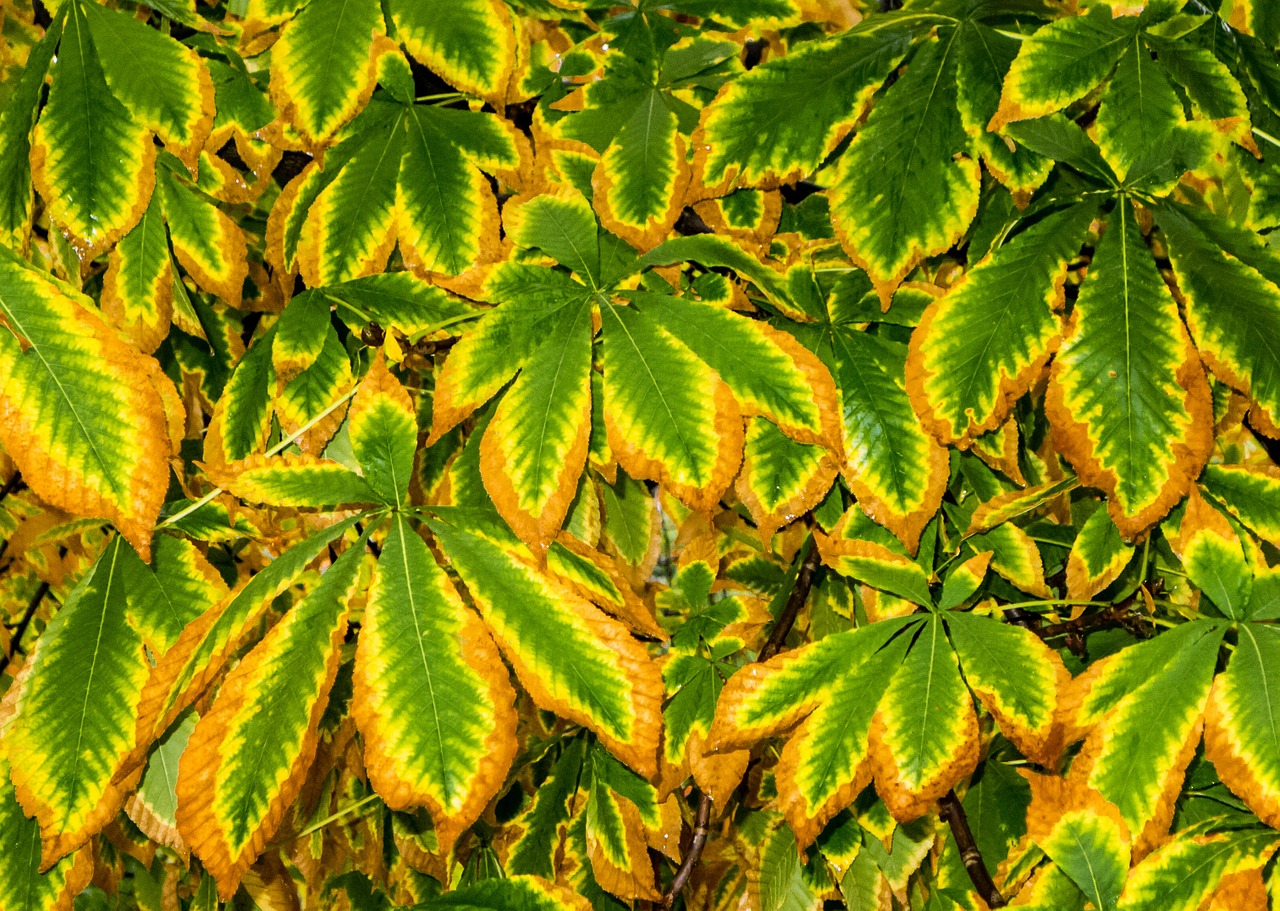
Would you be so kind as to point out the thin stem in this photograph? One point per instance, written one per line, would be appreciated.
(808, 557)
(334, 817)
(274, 450)
(950, 809)
(16, 641)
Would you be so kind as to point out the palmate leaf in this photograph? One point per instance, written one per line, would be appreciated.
(748, 133)
(1242, 726)
(1228, 300)
(412, 174)
(913, 139)
(601, 677)
(245, 762)
(323, 67)
(982, 345)
(82, 413)
(432, 698)
(91, 160)
(22, 886)
(294, 479)
(1082, 834)
(72, 728)
(1128, 403)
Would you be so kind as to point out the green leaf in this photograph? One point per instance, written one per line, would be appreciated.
(242, 416)
(1183, 874)
(72, 727)
(297, 480)
(323, 68)
(22, 886)
(1144, 431)
(154, 807)
(782, 881)
(1250, 494)
(179, 586)
(877, 566)
(751, 131)
(383, 431)
(209, 245)
(231, 800)
(91, 160)
(668, 415)
(534, 852)
(81, 411)
(173, 94)
(780, 478)
(300, 334)
(470, 43)
(710, 251)
(1214, 557)
(17, 122)
(897, 472)
(1242, 724)
(600, 677)
(1023, 704)
(515, 893)
(137, 289)
(535, 448)
(1061, 63)
(562, 225)
(1098, 556)
(885, 217)
(925, 735)
(983, 344)
(1228, 301)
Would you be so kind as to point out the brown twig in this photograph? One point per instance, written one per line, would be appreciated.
(950, 809)
(786, 619)
(16, 641)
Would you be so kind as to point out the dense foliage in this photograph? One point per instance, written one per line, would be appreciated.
(559, 454)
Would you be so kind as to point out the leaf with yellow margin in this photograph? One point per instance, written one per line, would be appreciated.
(294, 479)
(17, 122)
(323, 67)
(1182, 875)
(1128, 403)
(137, 288)
(1098, 556)
(383, 431)
(432, 697)
(246, 760)
(780, 478)
(73, 724)
(208, 244)
(1213, 557)
(91, 160)
(22, 886)
(81, 411)
(470, 44)
(600, 678)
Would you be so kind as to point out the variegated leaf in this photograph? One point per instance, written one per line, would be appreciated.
(1082, 833)
(1061, 63)
(560, 223)
(247, 758)
(780, 478)
(154, 806)
(17, 122)
(469, 43)
(913, 139)
(323, 68)
(668, 415)
(983, 344)
(72, 728)
(1231, 307)
(1023, 704)
(1010, 505)
(1242, 726)
(527, 893)
(137, 289)
(897, 472)
(601, 677)
(1128, 403)
(433, 699)
(383, 430)
(314, 398)
(924, 737)
(1213, 557)
(179, 586)
(536, 444)
(876, 565)
(91, 160)
(177, 108)
(300, 334)
(22, 886)
(295, 479)
(208, 244)
(1250, 494)
(81, 411)
(749, 133)
(1183, 874)
(1098, 556)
